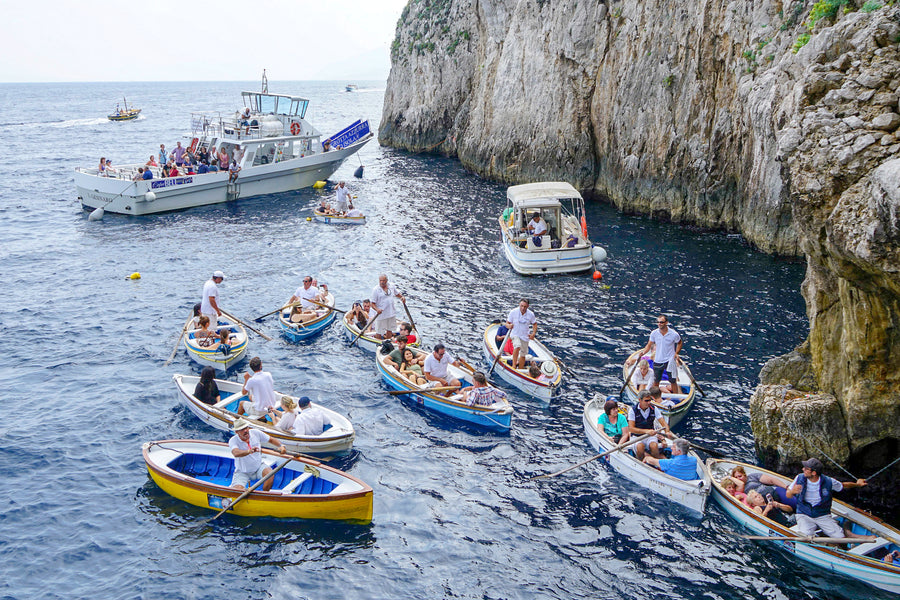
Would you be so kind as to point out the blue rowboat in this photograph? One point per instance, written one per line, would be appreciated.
(211, 353)
(864, 561)
(497, 417)
(297, 331)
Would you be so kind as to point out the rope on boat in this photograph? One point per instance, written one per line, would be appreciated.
(880, 471)
(798, 434)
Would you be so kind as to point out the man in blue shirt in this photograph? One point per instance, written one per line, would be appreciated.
(680, 465)
(148, 174)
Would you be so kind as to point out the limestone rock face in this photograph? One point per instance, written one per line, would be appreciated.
(729, 115)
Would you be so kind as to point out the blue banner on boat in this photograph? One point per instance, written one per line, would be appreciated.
(350, 134)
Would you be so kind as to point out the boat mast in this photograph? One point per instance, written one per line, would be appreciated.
(126, 103)
(265, 83)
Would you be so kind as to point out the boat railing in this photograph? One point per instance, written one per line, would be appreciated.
(214, 125)
(128, 172)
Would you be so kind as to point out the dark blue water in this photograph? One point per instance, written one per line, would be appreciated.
(455, 514)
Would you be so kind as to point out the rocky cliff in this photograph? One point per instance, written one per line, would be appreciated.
(774, 119)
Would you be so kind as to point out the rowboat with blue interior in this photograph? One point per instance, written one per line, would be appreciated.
(210, 352)
(336, 440)
(563, 247)
(689, 493)
(367, 341)
(297, 326)
(199, 472)
(497, 417)
(676, 402)
(337, 219)
(274, 145)
(863, 561)
(545, 386)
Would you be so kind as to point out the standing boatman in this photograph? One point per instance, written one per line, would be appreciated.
(665, 358)
(343, 198)
(209, 304)
(383, 300)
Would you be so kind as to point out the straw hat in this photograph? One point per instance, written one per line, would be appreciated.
(240, 424)
(548, 368)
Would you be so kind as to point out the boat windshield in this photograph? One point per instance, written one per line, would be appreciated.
(275, 104)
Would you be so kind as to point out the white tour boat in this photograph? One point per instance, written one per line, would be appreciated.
(276, 148)
(564, 247)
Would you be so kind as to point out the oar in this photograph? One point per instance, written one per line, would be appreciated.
(326, 306)
(499, 353)
(595, 457)
(362, 330)
(812, 540)
(467, 365)
(693, 381)
(178, 343)
(254, 330)
(412, 325)
(291, 305)
(628, 379)
(434, 389)
(251, 489)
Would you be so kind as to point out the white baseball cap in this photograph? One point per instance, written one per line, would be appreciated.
(219, 274)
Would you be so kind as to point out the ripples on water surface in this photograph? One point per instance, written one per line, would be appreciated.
(454, 513)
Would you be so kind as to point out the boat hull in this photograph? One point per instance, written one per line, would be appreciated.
(546, 262)
(366, 342)
(683, 401)
(691, 494)
(336, 441)
(831, 558)
(494, 419)
(338, 219)
(208, 357)
(536, 351)
(189, 191)
(348, 498)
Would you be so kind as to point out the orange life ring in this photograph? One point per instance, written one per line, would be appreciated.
(295, 128)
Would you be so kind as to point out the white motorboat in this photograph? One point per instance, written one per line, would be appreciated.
(277, 150)
(564, 247)
(689, 493)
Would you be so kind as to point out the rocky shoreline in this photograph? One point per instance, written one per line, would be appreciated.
(764, 118)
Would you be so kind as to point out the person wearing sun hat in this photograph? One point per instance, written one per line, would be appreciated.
(246, 447)
(209, 303)
(814, 493)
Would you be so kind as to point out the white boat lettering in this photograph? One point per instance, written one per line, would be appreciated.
(162, 183)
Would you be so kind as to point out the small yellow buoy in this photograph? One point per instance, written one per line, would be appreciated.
(134, 275)
(598, 275)
(319, 185)
(309, 218)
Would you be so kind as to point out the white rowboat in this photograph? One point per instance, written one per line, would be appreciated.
(519, 378)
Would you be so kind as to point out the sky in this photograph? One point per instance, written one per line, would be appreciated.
(184, 40)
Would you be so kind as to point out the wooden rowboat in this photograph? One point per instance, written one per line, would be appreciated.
(210, 353)
(335, 440)
(863, 561)
(322, 217)
(199, 473)
(297, 331)
(497, 417)
(682, 399)
(366, 341)
(537, 353)
(689, 493)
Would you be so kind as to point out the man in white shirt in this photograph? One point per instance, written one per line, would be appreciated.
(667, 344)
(383, 300)
(343, 198)
(261, 389)
(436, 368)
(305, 293)
(246, 447)
(311, 420)
(209, 303)
(537, 226)
(519, 321)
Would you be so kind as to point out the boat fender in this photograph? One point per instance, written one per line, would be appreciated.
(598, 254)
(150, 196)
(319, 185)
(598, 275)
(359, 172)
(134, 275)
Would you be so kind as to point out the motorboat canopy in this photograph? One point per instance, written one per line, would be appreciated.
(275, 104)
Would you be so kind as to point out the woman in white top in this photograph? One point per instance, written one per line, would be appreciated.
(285, 419)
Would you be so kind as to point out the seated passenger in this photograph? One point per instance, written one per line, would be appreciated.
(480, 394)
(325, 208)
(642, 378)
(436, 368)
(152, 162)
(411, 369)
(406, 329)
(354, 212)
(681, 465)
(203, 168)
(311, 420)
(148, 174)
(206, 390)
(643, 419)
(396, 356)
(614, 423)
(204, 336)
(548, 372)
(730, 486)
(226, 341)
(284, 419)
(139, 175)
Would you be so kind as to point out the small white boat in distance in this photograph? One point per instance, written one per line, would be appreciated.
(351, 87)
(689, 493)
(564, 247)
(276, 148)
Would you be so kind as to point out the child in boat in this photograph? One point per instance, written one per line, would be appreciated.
(731, 487)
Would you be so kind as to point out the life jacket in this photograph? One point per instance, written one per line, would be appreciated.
(648, 422)
(824, 506)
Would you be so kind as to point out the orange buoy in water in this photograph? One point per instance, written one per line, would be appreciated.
(598, 275)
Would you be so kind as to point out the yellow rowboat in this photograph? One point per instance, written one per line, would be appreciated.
(199, 472)
(209, 352)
